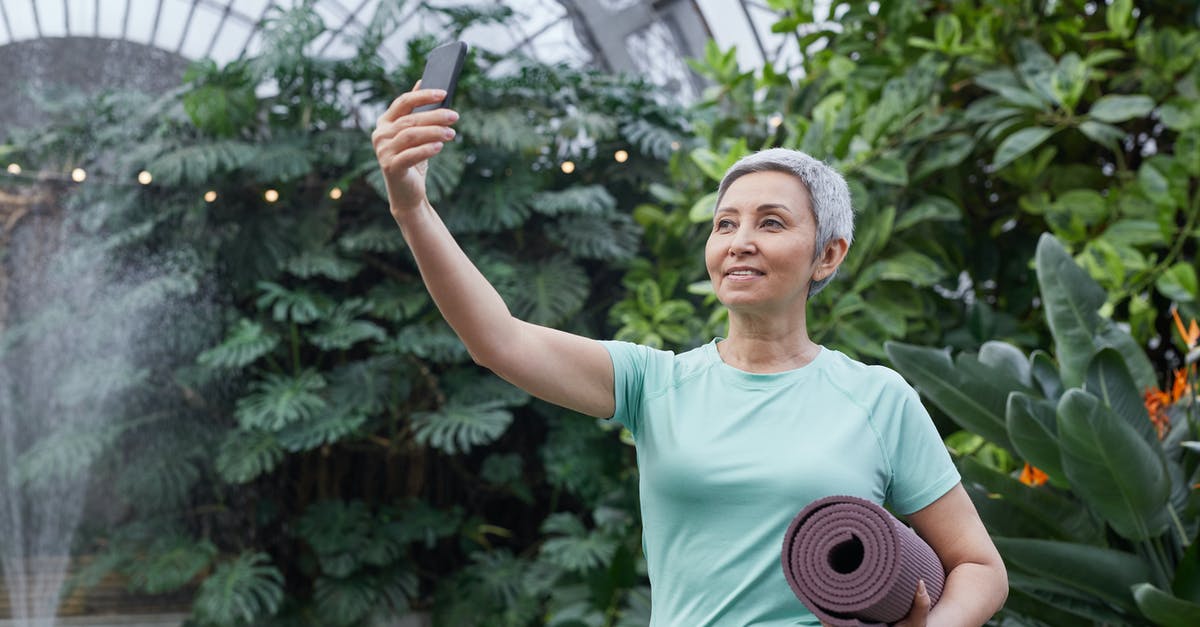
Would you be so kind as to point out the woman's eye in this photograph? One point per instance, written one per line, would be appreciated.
(772, 223)
(724, 225)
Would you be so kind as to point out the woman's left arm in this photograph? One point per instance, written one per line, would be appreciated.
(976, 580)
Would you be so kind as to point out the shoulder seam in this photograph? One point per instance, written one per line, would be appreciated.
(870, 414)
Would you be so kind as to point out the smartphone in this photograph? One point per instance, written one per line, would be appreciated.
(441, 72)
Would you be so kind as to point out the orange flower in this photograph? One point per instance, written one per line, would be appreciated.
(1190, 335)
(1032, 477)
(1157, 401)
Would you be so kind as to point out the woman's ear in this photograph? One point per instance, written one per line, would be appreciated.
(832, 257)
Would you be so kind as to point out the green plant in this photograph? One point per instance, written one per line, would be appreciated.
(293, 432)
(1111, 537)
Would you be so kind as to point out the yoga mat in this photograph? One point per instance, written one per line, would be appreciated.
(853, 564)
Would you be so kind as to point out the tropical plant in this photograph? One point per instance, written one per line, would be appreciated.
(293, 432)
(1103, 523)
(965, 130)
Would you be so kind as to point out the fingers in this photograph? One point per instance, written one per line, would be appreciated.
(919, 613)
(405, 103)
(412, 131)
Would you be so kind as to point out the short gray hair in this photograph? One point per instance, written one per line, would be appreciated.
(827, 190)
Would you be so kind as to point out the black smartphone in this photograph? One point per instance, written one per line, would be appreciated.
(441, 72)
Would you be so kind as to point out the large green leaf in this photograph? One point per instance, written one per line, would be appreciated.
(1071, 299)
(1164, 608)
(1053, 515)
(1108, 378)
(1118, 108)
(1033, 428)
(976, 404)
(1112, 467)
(1020, 143)
(1106, 573)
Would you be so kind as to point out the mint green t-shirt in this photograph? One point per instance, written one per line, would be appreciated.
(727, 458)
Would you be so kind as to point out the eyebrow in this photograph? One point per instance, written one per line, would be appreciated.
(763, 208)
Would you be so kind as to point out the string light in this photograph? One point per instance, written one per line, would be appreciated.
(621, 156)
(14, 168)
(775, 120)
(78, 175)
(568, 167)
(144, 177)
(271, 195)
(210, 196)
(675, 145)
(335, 193)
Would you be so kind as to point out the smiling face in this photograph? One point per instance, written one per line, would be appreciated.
(761, 252)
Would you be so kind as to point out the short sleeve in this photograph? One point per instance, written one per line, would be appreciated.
(629, 375)
(922, 470)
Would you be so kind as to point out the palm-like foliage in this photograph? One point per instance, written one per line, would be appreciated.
(299, 437)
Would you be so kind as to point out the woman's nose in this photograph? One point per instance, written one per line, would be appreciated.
(742, 242)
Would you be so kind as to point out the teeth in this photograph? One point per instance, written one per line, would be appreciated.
(743, 273)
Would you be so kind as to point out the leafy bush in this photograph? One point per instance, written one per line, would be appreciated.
(1111, 538)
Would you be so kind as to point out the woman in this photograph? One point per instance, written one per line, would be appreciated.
(734, 437)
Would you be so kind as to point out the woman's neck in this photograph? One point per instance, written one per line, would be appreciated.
(772, 344)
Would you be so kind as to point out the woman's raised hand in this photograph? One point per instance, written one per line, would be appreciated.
(404, 141)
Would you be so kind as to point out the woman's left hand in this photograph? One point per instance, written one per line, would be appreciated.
(920, 609)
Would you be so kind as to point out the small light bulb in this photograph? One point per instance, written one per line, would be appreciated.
(14, 168)
(271, 195)
(568, 167)
(621, 156)
(775, 120)
(210, 196)
(78, 175)
(144, 177)
(675, 145)
(335, 193)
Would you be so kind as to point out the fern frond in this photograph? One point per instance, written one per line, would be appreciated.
(576, 549)
(66, 453)
(348, 601)
(324, 428)
(324, 262)
(338, 334)
(301, 306)
(170, 563)
(586, 199)
(375, 238)
(198, 164)
(281, 159)
(241, 591)
(92, 381)
(650, 139)
(397, 302)
(433, 341)
(613, 238)
(419, 521)
(457, 428)
(280, 400)
(500, 574)
(547, 292)
(162, 476)
(594, 125)
(247, 454)
(157, 291)
(246, 342)
(445, 171)
(347, 537)
(507, 129)
(367, 385)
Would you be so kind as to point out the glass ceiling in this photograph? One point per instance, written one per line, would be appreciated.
(656, 35)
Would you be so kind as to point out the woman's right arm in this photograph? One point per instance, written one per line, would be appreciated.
(568, 370)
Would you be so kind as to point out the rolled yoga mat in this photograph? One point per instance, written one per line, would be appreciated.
(853, 564)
